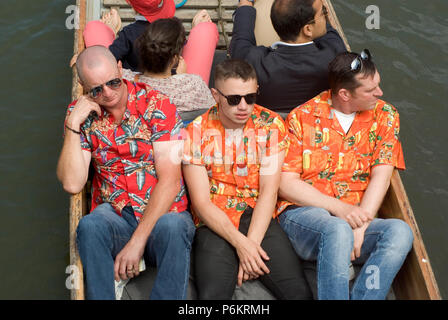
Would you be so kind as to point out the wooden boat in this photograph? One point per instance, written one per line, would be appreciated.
(415, 280)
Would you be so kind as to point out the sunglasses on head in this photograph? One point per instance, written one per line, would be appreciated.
(356, 64)
(235, 99)
(96, 91)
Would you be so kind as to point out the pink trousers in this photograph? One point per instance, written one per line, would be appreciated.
(198, 52)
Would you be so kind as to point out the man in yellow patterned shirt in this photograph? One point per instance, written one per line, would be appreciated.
(232, 167)
(344, 148)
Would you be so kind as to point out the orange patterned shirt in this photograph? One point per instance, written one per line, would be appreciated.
(232, 159)
(336, 163)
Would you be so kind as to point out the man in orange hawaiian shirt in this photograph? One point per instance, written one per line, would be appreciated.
(232, 167)
(139, 204)
(344, 147)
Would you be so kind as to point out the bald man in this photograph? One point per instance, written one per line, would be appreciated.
(133, 134)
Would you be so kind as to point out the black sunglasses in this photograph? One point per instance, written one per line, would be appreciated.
(113, 84)
(235, 99)
(356, 64)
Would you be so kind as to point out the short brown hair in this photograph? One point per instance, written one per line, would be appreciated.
(288, 17)
(234, 68)
(342, 77)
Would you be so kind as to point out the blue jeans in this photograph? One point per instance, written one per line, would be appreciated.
(316, 235)
(102, 234)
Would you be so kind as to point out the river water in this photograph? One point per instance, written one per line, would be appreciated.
(410, 47)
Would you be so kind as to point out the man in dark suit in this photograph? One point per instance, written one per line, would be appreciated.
(295, 69)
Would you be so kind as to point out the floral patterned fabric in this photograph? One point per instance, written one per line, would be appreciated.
(335, 163)
(232, 159)
(122, 154)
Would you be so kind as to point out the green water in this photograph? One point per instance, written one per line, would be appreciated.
(410, 48)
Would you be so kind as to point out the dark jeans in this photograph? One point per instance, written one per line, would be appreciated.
(216, 264)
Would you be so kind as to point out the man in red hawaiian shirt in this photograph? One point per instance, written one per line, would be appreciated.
(132, 134)
(344, 148)
(232, 167)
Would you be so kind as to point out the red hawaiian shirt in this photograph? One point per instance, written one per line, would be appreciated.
(122, 154)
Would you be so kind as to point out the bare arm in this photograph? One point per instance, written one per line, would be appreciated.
(73, 164)
(371, 202)
(377, 188)
(162, 197)
(295, 190)
(198, 185)
(250, 253)
(269, 183)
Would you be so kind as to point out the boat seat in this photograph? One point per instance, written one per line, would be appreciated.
(139, 288)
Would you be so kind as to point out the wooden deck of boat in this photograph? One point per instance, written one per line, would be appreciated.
(220, 11)
(414, 281)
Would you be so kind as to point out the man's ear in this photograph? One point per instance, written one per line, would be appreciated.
(81, 84)
(215, 94)
(344, 94)
(307, 31)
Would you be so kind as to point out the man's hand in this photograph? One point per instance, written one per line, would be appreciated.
(354, 215)
(127, 261)
(83, 107)
(251, 257)
(358, 235)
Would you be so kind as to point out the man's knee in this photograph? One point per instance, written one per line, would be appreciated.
(173, 226)
(295, 215)
(90, 226)
(400, 235)
(338, 231)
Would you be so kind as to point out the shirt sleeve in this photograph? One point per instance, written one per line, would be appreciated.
(243, 36)
(388, 149)
(121, 46)
(277, 138)
(294, 155)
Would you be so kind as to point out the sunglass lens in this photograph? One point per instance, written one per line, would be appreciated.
(95, 92)
(365, 54)
(251, 98)
(355, 64)
(115, 83)
(234, 100)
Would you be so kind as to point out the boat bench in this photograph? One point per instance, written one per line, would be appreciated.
(220, 12)
(139, 288)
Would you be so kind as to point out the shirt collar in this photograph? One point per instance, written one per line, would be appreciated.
(139, 17)
(276, 44)
(324, 108)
